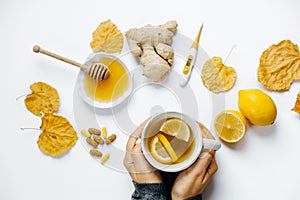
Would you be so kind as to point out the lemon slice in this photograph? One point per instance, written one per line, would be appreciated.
(162, 150)
(177, 128)
(231, 126)
(158, 151)
(167, 146)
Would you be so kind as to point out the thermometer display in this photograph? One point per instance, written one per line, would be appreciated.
(187, 66)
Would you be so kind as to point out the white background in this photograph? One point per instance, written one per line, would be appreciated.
(264, 165)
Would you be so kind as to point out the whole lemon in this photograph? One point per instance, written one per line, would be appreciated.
(257, 106)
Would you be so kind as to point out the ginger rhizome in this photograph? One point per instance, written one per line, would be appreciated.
(153, 45)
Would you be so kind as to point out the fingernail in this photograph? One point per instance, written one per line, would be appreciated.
(138, 141)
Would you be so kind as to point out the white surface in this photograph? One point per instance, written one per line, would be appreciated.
(264, 165)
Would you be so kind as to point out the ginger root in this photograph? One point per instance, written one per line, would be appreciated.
(152, 44)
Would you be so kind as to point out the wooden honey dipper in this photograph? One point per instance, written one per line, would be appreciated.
(97, 71)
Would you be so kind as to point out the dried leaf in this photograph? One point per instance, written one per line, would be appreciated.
(107, 38)
(279, 66)
(297, 105)
(44, 99)
(216, 76)
(58, 135)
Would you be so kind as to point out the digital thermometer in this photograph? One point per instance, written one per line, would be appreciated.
(192, 56)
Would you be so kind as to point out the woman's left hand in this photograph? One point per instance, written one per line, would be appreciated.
(135, 162)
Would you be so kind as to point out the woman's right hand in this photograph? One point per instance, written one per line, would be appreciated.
(191, 182)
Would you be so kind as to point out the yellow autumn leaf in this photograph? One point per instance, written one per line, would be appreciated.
(44, 99)
(58, 135)
(216, 76)
(297, 105)
(107, 38)
(279, 66)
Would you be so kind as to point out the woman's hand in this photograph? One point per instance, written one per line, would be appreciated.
(136, 164)
(192, 181)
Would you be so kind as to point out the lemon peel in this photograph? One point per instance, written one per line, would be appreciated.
(168, 146)
(257, 106)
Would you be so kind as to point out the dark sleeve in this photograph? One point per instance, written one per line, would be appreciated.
(152, 191)
(169, 179)
(198, 197)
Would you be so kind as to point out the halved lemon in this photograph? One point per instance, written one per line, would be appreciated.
(161, 149)
(231, 126)
(177, 128)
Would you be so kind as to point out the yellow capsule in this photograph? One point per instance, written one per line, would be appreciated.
(104, 132)
(85, 133)
(104, 158)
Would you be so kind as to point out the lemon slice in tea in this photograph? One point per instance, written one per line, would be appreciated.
(162, 150)
(230, 125)
(158, 151)
(177, 128)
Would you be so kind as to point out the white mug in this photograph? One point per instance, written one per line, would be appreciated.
(152, 128)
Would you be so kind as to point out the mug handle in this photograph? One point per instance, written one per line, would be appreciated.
(211, 144)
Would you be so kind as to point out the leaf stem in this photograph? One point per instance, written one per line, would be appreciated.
(23, 129)
(21, 96)
(229, 53)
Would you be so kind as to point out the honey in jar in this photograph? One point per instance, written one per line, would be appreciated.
(111, 88)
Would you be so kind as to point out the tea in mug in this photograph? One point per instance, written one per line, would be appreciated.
(172, 143)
